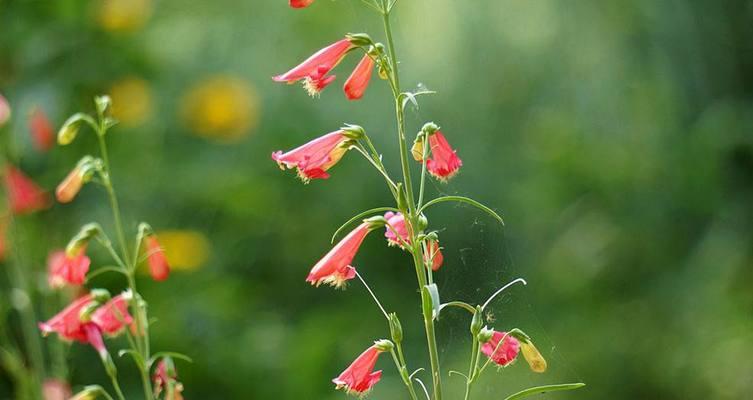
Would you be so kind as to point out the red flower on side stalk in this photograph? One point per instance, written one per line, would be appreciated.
(506, 352)
(334, 268)
(67, 323)
(360, 377)
(159, 268)
(24, 195)
(300, 3)
(358, 81)
(396, 226)
(313, 71)
(42, 132)
(64, 269)
(113, 316)
(313, 159)
(443, 163)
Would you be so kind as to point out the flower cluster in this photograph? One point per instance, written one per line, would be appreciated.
(405, 225)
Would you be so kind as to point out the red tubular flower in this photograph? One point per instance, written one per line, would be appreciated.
(24, 195)
(158, 266)
(334, 268)
(113, 316)
(507, 351)
(358, 81)
(64, 269)
(42, 132)
(396, 224)
(67, 323)
(94, 338)
(359, 377)
(433, 255)
(314, 158)
(444, 163)
(300, 3)
(313, 71)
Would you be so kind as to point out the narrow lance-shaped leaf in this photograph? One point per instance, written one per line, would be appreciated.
(462, 199)
(544, 389)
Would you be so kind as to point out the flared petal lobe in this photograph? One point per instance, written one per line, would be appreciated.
(113, 316)
(444, 162)
(66, 269)
(334, 268)
(360, 376)
(505, 353)
(358, 81)
(313, 159)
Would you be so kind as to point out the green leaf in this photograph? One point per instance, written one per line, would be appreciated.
(410, 97)
(433, 294)
(545, 389)
(359, 217)
(462, 199)
(172, 354)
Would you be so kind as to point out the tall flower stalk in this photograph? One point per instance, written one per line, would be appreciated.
(405, 224)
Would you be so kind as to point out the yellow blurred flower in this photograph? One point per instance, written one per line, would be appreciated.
(185, 249)
(221, 108)
(123, 15)
(131, 100)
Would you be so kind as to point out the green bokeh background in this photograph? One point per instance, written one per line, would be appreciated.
(616, 139)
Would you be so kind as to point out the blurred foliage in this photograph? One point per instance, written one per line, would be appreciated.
(616, 138)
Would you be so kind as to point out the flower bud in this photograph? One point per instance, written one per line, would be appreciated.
(359, 39)
(353, 131)
(485, 335)
(69, 130)
(376, 222)
(396, 329)
(477, 322)
(72, 184)
(422, 222)
(384, 345)
(533, 357)
(82, 238)
(103, 103)
(417, 151)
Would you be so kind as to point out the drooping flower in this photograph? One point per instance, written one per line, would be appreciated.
(159, 268)
(334, 268)
(94, 338)
(433, 255)
(64, 269)
(506, 352)
(533, 357)
(313, 159)
(443, 163)
(360, 376)
(300, 3)
(113, 316)
(24, 195)
(313, 71)
(358, 81)
(67, 323)
(4, 110)
(165, 378)
(396, 226)
(42, 131)
(56, 389)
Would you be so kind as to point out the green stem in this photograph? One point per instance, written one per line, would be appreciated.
(471, 369)
(400, 364)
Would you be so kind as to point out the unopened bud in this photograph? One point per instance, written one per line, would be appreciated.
(485, 335)
(477, 321)
(422, 222)
(353, 131)
(82, 239)
(103, 103)
(72, 184)
(359, 39)
(396, 329)
(384, 345)
(69, 130)
(533, 357)
(417, 151)
(376, 222)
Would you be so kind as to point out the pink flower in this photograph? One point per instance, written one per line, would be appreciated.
(56, 389)
(300, 3)
(314, 158)
(166, 375)
(334, 268)
(158, 265)
(444, 163)
(396, 224)
(24, 195)
(113, 316)
(433, 255)
(64, 269)
(313, 71)
(42, 132)
(4, 110)
(359, 377)
(94, 338)
(358, 81)
(506, 352)
(67, 323)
